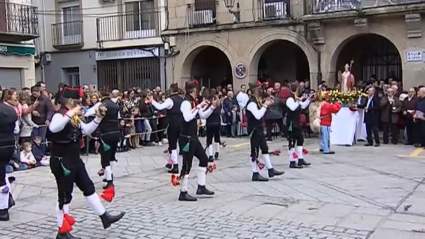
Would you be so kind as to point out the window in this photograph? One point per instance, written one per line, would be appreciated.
(72, 76)
(140, 15)
(205, 5)
(71, 17)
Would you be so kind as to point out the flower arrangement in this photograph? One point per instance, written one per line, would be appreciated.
(347, 99)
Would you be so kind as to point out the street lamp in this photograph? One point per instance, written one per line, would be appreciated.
(229, 5)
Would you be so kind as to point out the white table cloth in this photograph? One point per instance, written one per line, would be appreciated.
(343, 127)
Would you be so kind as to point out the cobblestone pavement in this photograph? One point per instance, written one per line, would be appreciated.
(357, 193)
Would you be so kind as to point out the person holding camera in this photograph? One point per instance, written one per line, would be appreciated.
(390, 112)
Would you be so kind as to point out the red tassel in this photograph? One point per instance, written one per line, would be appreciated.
(294, 155)
(211, 168)
(175, 180)
(223, 144)
(305, 151)
(65, 228)
(70, 219)
(107, 197)
(259, 164)
(101, 172)
(108, 194)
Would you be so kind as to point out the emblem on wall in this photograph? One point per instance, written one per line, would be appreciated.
(240, 71)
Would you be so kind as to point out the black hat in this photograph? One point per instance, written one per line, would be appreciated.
(72, 92)
(192, 84)
(256, 85)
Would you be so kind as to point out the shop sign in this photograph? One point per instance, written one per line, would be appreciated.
(17, 50)
(126, 54)
(414, 56)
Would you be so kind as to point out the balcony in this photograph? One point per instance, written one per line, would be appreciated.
(128, 26)
(18, 22)
(274, 10)
(202, 13)
(342, 8)
(67, 35)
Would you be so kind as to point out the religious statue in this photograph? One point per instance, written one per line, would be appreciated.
(347, 78)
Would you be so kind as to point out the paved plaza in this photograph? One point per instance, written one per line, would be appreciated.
(358, 193)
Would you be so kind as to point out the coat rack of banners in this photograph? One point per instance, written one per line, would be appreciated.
(124, 69)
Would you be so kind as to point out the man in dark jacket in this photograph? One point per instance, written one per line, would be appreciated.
(371, 119)
(273, 115)
(41, 115)
(228, 104)
(146, 112)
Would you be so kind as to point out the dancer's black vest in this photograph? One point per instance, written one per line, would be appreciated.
(190, 128)
(110, 122)
(214, 118)
(67, 142)
(293, 117)
(174, 115)
(8, 118)
(254, 123)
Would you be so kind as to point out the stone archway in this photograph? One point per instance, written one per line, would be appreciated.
(263, 43)
(373, 54)
(184, 62)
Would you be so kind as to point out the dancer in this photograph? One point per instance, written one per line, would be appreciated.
(175, 120)
(66, 165)
(110, 134)
(295, 132)
(213, 125)
(9, 127)
(326, 111)
(255, 111)
(189, 142)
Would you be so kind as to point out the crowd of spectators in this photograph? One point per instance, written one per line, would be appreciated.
(143, 125)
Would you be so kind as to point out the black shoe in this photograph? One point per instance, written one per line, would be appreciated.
(293, 164)
(210, 159)
(11, 179)
(202, 190)
(168, 165)
(109, 184)
(184, 196)
(320, 150)
(4, 215)
(256, 177)
(377, 145)
(175, 169)
(330, 152)
(385, 142)
(368, 144)
(273, 172)
(302, 162)
(66, 236)
(216, 155)
(269, 139)
(108, 219)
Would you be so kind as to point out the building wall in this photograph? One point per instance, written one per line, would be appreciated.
(338, 33)
(246, 46)
(243, 46)
(25, 63)
(85, 60)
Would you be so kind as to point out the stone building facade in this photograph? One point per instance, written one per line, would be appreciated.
(384, 41)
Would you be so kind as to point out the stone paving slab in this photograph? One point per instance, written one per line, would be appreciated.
(363, 193)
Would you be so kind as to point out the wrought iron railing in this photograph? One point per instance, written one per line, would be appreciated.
(67, 33)
(128, 26)
(324, 6)
(18, 19)
(202, 13)
(274, 9)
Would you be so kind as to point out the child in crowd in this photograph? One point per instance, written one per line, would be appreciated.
(38, 154)
(135, 128)
(124, 144)
(27, 157)
(15, 165)
(235, 121)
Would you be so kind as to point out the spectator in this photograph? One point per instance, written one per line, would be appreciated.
(36, 150)
(227, 107)
(408, 109)
(26, 122)
(41, 115)
(26, 157)
(15, 164)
